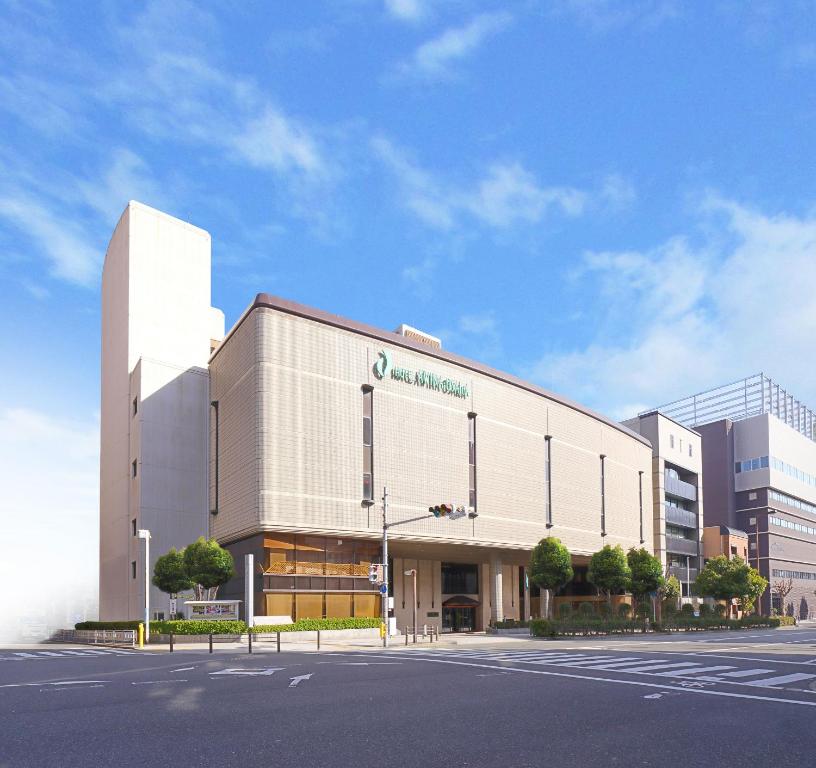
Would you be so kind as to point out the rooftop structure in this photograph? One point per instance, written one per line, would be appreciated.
(742, 399)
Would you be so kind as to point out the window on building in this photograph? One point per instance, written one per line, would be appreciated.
(135, 405)
(671, 441)
(640, 504)
(548, 479)
(134, 468)
(690, 451)
(752, 545)
(460, 579)
(472, 459)
(158, 615)
(603, 495)
(681, 444)
(132, 569)
(133, 526)
(368, 444)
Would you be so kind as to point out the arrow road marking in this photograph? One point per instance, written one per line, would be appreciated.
(251, 672)
(296, 680)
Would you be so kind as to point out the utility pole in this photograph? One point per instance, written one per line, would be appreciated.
(413, 574)
(385, 566)
(145, 534)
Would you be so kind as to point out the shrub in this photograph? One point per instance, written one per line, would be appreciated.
(624, 609)
(564, 610)
(687, 609)
(107, 625)
(508, 624)
(310, 625)
(720, 609)
(644, 608)
(198, 627)
(586, 609)
(706, 611)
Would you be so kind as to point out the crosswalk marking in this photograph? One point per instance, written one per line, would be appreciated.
(655, 667)
(745, 673)
(782, 680)
(684, 672)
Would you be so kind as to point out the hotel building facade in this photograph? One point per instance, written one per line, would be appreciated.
(279, 438)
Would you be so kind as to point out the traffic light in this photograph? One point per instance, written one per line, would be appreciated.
(441, 510)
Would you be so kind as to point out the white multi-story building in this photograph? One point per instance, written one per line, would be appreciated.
(158, 329)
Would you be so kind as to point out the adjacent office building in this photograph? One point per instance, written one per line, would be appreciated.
(280, 437)
(158, 330)
(759, 477)
(677, 494)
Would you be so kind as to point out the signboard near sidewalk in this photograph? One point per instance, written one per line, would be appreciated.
(226, 610)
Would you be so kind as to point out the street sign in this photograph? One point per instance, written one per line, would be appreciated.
(383, 589)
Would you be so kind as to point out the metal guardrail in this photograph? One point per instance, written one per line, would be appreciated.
(116, 637)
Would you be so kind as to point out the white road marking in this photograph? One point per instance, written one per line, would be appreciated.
(297, 680)
(745, 673)
(156, 682)
(657, 667)
(625, 661)
(26, 655)
(248, 672)
(684, 672)
(183, 669)
(78, 682)
(549, 673)
(783, 680)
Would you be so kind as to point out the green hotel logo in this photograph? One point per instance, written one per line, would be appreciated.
(383, 368)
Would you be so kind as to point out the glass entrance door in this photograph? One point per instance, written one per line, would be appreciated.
(458, 619)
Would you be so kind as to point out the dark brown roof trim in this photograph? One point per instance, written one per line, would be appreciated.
(265, 300)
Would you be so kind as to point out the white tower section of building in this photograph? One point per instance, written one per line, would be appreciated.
(158, 329)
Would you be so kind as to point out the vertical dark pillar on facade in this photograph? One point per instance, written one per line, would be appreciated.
(472, 459)
(603, 495)
(640, 504)
(548, 478)
(215, 406)
(368, 445)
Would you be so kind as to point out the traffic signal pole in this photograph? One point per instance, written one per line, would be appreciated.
(385, 566)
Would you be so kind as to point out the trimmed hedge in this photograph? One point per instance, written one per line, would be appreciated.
(107, 625)
(309, 625)
(198, 627)
(678, 622)
(511, 624)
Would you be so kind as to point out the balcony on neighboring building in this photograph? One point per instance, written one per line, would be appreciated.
(680, 488)
(676, 545)
(683, 574)
(678, 516)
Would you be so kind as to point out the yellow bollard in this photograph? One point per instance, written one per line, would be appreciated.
(382, 630)
(141, 635)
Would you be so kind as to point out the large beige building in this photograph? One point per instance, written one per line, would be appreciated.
(280, 438)
(316, 415)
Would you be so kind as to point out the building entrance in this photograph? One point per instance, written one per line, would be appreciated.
(458, 619)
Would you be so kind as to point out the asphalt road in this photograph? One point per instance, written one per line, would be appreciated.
(687, 701)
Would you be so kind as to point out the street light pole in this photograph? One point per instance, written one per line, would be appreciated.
(413, 574)
(385, 566)
(145, 534)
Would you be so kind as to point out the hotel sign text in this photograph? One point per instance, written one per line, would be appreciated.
(383, 368)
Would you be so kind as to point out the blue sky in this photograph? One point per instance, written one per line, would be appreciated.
(615, 200)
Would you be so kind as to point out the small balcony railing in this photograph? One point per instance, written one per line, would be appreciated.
(678, 516)
(680, 488)
(305, 568)
(680, 572)
(681, 546)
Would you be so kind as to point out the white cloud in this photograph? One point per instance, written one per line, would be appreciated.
(506, 194)
(606, 15)
(48, 519)
(420, 277)
(682, 318)
(509, 193)
(475, 335)
(406, 10)
(64, 242)
(126, 178)
(434, 58)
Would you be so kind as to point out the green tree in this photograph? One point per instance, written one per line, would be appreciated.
(208, 566)
(609, 571)
(550, 568)
(647, 573)
(725, 579)
(169, 573)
